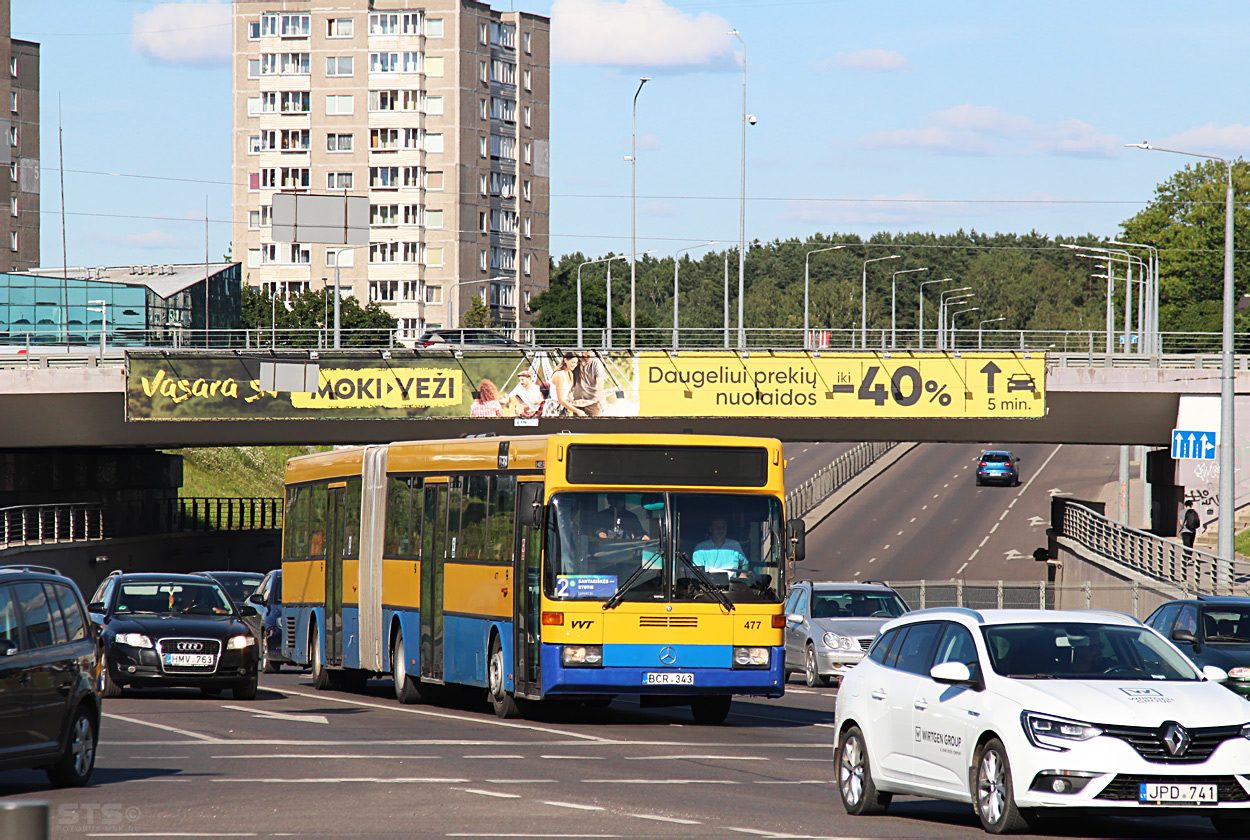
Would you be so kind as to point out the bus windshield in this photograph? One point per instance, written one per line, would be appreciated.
(657, 546)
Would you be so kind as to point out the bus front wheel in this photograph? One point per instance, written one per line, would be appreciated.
(406, 689)
(711, 710)
(320, 674)
(505, 704)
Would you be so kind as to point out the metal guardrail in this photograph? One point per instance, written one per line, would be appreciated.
(47, 524)
(29, 525)
(801, 500)
(1132, 599)
(1189, 570)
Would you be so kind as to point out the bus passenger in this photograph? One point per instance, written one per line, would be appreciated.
(619, 523)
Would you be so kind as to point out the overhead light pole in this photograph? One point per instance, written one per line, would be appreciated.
(742, 203)
(580, 343)
(920, 323)
(1152, 294)
(955, 315)
(863, 301)
(945, 313)
(942, 301)
(633, 200)
(807, 278)
(102, 307)
(1227, 444)
(338, 287)
(676, 264)
(981, 326)
(894, 301)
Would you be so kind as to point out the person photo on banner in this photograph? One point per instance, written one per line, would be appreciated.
(526, 399)
(560, 402)
(487, 402)
(589, 393)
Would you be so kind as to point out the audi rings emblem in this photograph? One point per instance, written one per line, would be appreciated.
(189, 646)
(668, 655)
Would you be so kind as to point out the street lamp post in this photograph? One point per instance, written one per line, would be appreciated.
(676, 263)
(894, 300)
(942, 301)
(863, 301)
(102, 307)
(1227, 444)
(742, 203)
(633, 195)
(273, 316)
(807, 277)
(956, 314)
(579, 293)
(338, 290)
(1151, 293)
(920, 323)
(981, 326)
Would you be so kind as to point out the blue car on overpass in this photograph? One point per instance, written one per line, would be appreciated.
(998, 466)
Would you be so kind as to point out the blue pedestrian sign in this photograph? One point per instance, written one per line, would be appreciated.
(1193, 444)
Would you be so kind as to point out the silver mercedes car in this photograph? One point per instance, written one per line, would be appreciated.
(829, 626)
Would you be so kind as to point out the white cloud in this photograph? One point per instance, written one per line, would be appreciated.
(638, 33)
(184, 33)
(987, 131)
(873, 61)
(660, 209)
(906, 209)
(151, 240)
(1230, 140)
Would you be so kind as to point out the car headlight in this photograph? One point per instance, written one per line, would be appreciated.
(751, 657)
(576, 656)
(1044, 730)
(836, 642)
(1239, 673)
(1245, 731)
(134, 640)
(239, 642)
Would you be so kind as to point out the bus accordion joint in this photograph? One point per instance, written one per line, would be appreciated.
(553, 619)
(779, 622)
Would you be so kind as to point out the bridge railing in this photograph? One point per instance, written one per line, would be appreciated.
(1190, 570)
(802, 499)
(28, 525)
(1135, 599)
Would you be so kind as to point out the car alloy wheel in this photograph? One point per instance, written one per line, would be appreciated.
(993, 794)
(859, 793)
(810, 672)
(851, 771)
(83, 746)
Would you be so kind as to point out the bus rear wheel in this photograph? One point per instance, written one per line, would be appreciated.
(711, 710)
(406, 689)
(505, 704)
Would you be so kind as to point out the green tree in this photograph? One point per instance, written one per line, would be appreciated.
(1185, 221)
(314, 310)
(477, 315)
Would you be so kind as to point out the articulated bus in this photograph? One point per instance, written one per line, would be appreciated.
(548, 566)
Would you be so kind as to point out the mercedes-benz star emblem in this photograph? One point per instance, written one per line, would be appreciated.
(668, 656)
(1176, 739)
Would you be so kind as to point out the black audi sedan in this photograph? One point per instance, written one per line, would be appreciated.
(173, 630)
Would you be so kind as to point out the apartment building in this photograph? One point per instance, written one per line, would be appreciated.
(437, 111)
(19, 150)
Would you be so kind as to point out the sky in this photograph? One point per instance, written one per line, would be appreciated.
(870, 116)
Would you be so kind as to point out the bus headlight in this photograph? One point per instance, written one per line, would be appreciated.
(751, 657)
(137, 640)
(836, 642)
(239, 642)
(582, 656)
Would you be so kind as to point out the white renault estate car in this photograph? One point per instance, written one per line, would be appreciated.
(1021, 712)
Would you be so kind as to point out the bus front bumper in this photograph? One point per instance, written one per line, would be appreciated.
(661, 679)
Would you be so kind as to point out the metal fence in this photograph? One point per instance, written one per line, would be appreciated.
(802, 499)
(1137, 600)
(46, 524)
(1190, 570)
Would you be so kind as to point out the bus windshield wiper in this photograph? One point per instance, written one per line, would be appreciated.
(619, 594)
(706, 582)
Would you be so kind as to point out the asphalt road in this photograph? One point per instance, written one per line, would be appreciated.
(804, 460)
(925, 518)
(306, 764)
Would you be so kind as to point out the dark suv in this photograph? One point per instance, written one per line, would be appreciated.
(469, 339)
(49, 708)
(1211, 630)
(174, 630)
(998, 465)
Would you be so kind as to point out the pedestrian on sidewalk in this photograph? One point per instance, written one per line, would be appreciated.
(1190, 523)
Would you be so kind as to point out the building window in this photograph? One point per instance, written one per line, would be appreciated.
(339, 28)
(528, 79)
(338, 105)
(383, 177)
(338, 142)
(483, 260)
(526, 265)
(483, 71)
(383, 62)
(13, 135)
(434, 105)
(483, 221)
(433, 257)
(253, 68)
(384, 139)
(433, 294)
(433, 66)
(526, 297)
(13, 172)
(13, 206)
(384, 215)
(483, 182)
(434, 28)
(295, 102)
(339, 181)
(342, 258)
(253, 144)
(295, 178)
(528, 151)
(526, 44)
(254, 106)
(295, 140)
(269, 178)
(433, 219)
(434, 181)
(410, 23)
(526, 226)
(503, 72)
(525, 190)
(434, 143)
(300, 254)
(410, 327)
(253, 31)
(295, 26)
(339, 65)
(383, 291)
(384, 252)
(13, 241)
(383, 24)
(527, 113)
(503, 147)
(483, 33)
(484, 146)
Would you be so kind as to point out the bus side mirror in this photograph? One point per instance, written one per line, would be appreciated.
(797, 534)
(530, 503)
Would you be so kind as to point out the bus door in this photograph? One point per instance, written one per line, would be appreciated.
(527, 603)
(335, 515)
(433, 551)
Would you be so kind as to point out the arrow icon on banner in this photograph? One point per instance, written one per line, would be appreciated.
(1208, 444)
(989, 370)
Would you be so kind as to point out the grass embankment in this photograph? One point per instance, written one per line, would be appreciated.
(236, 471)
(1241, 543)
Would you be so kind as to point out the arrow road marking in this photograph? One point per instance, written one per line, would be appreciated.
(1034, 521)
(1012, 554)
(267, 715)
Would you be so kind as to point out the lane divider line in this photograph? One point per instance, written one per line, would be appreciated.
(184, 732)
(575, 805)
(495, 793)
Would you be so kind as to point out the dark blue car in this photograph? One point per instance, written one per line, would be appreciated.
(998, 466)
(267, 599)
(1211, 630)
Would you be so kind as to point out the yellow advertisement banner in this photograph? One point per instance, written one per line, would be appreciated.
(391, 387)
(901, 385)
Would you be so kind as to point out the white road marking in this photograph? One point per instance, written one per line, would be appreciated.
(984, 541)
(577, 805)
(494, 793)
(885, 547)
(1029, 483)
(544, 835)
(913, 519)
(1013, 502)
(857, 574)
(328, 755)
(800, 782)
(170, 834)
(659, 782)
(924, 507)
(1034, 521)
(268, 715)
(520, 781)
(995, 528)
(154, 757)
(185, 732)
(899, 534)
(946, 485)
(492, 756)
(658, 818)
(935, 495)
(695, 758)
(960, 570)
(341, 780)
(810, 759)
(804, 690)
(956, 475)
(1004, 516)
(321, 697)
(573, 757)
(872, 559)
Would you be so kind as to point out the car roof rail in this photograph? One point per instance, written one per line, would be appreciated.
(980, 619)
(1113, 614)
(115, 573)
(28, 567)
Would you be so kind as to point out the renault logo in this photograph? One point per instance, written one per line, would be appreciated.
(668, 656)
(1176, 739)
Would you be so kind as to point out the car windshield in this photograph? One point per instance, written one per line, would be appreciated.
(1227, 625)
(238, 587)
(832, 603)
(996, 457)
(1083, 651)
(664, 547)
(169, 598)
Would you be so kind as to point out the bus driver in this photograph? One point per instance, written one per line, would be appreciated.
(720, 553)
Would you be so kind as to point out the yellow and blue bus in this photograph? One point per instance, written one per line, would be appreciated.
(575, 566)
